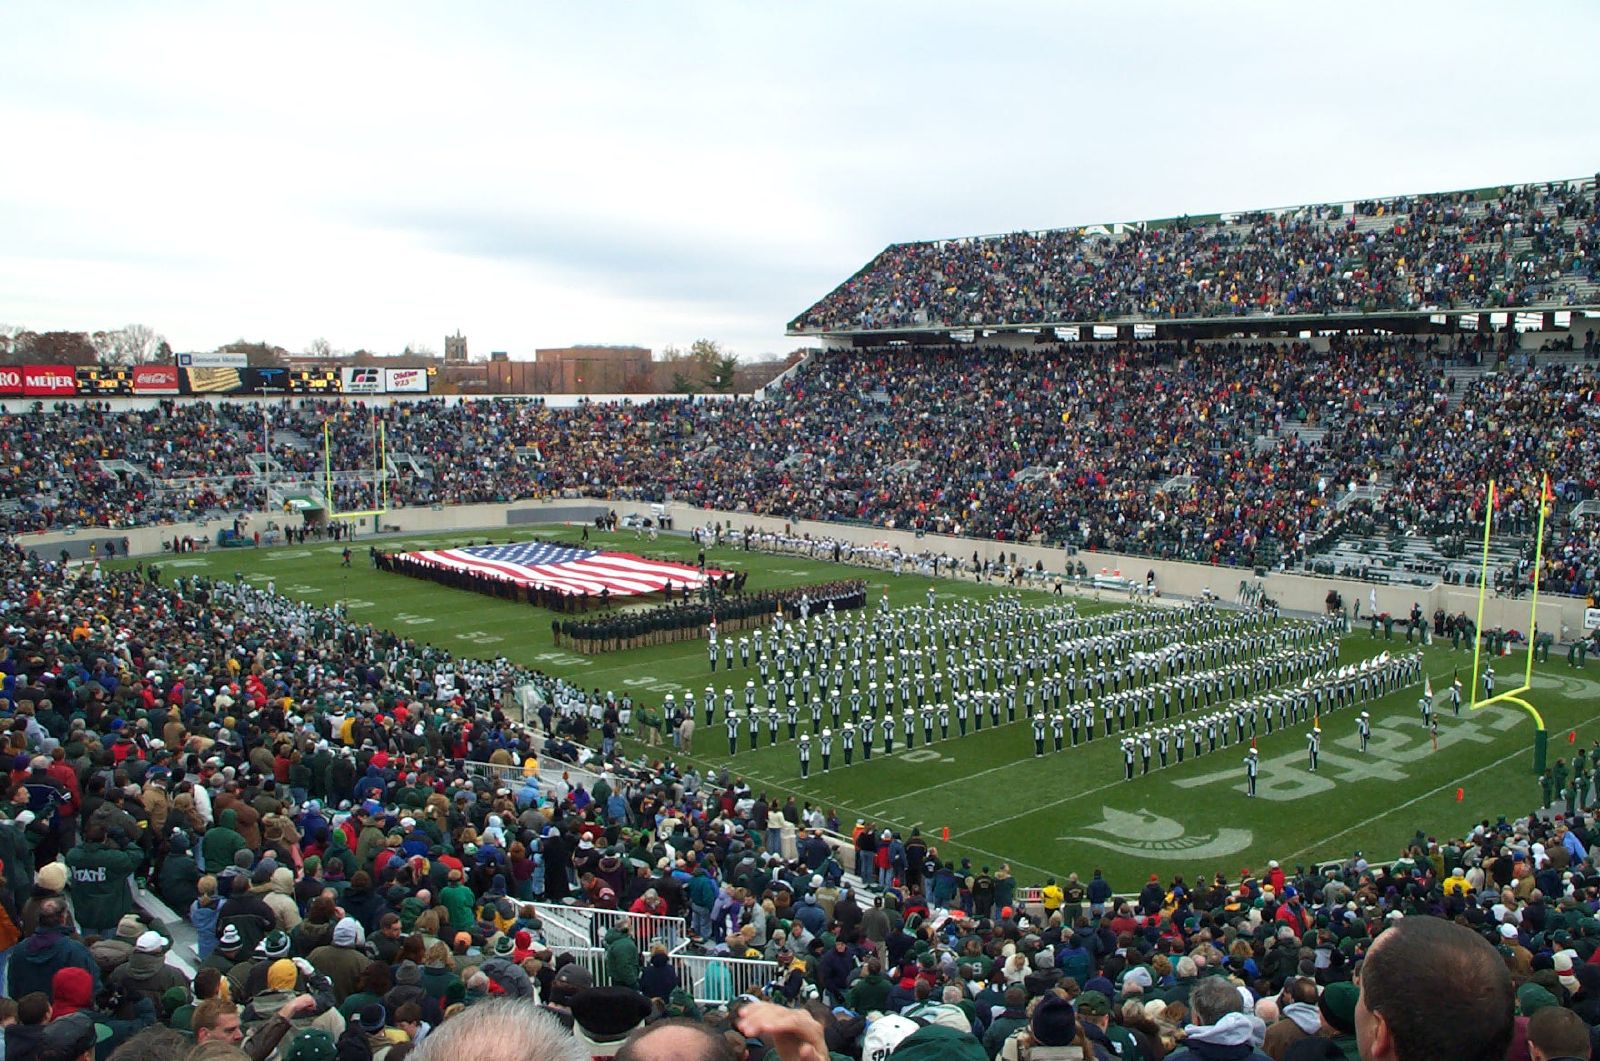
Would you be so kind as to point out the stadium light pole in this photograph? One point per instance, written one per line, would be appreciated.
(266, 455)
(266, 450)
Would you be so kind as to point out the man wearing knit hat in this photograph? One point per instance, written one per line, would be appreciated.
(602, 1017)
(114, 952)
(1051, 1032)
(73, 997)
(249, 977)
(313, 1044)
(280, 1010)
(344, 960)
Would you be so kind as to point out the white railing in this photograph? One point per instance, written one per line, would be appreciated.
(718, 981)
(565, 927)
(587, 926)
(712, 980)
(647, 929)
(555, 778)
(561, 776)
(591, 958)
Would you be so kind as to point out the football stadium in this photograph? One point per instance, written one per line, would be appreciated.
(1129, 639)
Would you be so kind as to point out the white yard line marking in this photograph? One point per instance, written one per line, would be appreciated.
(1119, 782)
(1455, 783)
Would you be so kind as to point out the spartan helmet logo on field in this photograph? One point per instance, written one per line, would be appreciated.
(1146, 833)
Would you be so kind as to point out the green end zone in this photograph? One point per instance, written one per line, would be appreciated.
(1066, 812)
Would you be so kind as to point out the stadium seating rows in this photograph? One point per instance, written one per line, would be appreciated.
(1222, 453)
(293, 783)
(1530, 245)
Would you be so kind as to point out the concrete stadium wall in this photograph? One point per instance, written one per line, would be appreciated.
(1559, 615)
(153, 541)
(1292, 591)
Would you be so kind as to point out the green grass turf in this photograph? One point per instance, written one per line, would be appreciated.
(1069, 811)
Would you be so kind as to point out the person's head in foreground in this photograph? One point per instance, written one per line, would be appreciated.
(1432, 989)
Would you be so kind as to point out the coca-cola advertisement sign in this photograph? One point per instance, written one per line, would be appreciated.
(49, 381)
(155, 379)
(10, 379)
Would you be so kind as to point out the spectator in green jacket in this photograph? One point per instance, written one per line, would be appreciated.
(622, 957)
(222, 841)
(99, 882)
(457, 899)
(871, 989)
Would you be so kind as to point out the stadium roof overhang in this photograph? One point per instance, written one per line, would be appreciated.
(1427, 321)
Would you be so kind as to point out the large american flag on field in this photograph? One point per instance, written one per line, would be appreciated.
(568, 568)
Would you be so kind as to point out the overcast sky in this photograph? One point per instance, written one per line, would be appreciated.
(545, 174)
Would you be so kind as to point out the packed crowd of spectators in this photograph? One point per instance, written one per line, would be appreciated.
(1228, 453)
(1412, 253)
(297, 785)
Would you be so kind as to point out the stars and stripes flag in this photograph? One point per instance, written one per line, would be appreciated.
(568, 568)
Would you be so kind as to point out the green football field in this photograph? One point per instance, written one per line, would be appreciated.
(1068, 811)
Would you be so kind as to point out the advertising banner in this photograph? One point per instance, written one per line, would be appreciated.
(365, 380)
(405, 380)
(155, 379)
(213, 360)
(49, 381)
(219, 380)
(10, 379)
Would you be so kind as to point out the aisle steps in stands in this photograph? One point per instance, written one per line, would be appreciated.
(184, 954)
(1309, 434)
(1364, 492)
(1464, 377)
(407, 463)
(1183, 484)
(293, 440)
(1413, 560)
(258, 461)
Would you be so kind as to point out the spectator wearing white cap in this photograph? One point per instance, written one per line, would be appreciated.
(146, 972)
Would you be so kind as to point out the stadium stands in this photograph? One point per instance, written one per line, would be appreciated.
(1354, 454)
(1525, 245)
(364, 832)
